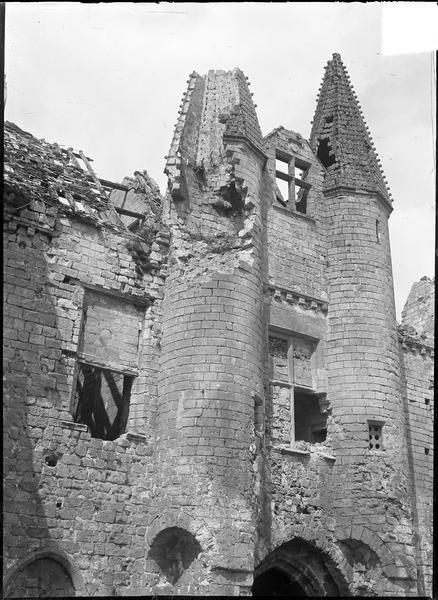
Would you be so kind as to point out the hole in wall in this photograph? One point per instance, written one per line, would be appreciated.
(102, 400)
(51, 460)
(174, 549)
(310, 420)
(325, 153)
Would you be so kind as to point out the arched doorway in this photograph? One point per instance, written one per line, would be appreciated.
(40, 578)
(297, 569)
(275, 582)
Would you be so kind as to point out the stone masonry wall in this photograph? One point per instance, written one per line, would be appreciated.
(297, 253)
(419, 374)
(364, 383)
(66, 493)
(232, 317)
(419, 309)
(211, 365)
(416, 337)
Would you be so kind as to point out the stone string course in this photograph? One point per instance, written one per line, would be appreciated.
(222, 306)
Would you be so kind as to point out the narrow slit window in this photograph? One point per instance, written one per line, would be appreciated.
(259, 422)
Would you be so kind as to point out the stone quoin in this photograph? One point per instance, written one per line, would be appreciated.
(207, 393)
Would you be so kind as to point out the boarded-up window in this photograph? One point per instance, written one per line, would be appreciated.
(303, 350)
(110, 331)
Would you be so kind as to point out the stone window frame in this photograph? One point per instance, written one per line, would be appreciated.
(293, 388)
(293, 162)
(376, 425)
(82, 358)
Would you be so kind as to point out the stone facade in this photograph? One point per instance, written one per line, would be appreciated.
(207, 393)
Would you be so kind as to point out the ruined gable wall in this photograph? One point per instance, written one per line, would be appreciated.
(419, 309)
(296, 247)
(419, 374)
(78, 496)
(416, 338)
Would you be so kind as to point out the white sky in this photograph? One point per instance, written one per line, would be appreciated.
(108, 79)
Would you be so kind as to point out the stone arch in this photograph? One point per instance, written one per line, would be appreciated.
(311, 571)
(392, 565)
(169, 519)
(322, 543)
(53, 572)
(174, 549)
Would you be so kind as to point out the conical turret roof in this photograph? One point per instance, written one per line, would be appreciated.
(340, 136)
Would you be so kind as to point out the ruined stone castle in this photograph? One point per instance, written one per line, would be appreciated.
(207, 393)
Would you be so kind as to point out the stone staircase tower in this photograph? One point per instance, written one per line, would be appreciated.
(212, 356)
(365, 391)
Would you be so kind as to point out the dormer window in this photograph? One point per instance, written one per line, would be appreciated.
(291, 187)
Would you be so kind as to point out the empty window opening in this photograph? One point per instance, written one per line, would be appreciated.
(319, 434)
(329, 119)
(291, 187)
(283, 178)
(426, 400)
(275, 582)
(375, 435)
(325, 153)
(300, 199)
(310, 419)
(174, 549)
(102, 401)
(282, 191)
(301, 171)
(378, 231)
(282, 164)
(426, 451)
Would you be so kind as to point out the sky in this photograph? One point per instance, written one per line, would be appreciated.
(108, 78)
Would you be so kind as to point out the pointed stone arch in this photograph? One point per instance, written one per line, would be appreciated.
(310, 570)
(46, 566)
